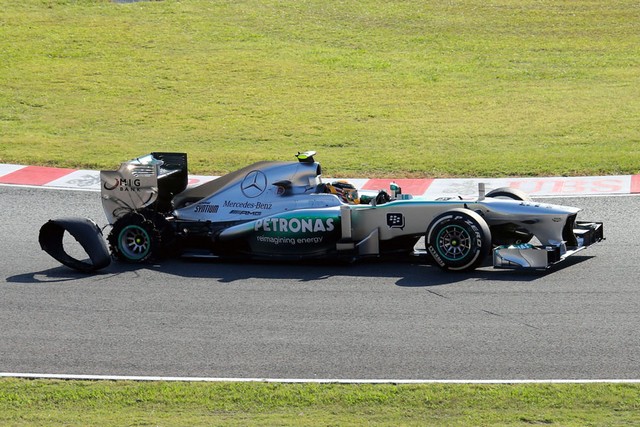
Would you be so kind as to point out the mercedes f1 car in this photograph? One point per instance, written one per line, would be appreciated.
(284, 210)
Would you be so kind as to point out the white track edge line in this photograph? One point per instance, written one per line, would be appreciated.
(311, 380)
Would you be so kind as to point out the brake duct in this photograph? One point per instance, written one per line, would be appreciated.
(87, 234)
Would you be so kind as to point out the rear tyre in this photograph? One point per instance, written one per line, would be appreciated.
(134, 239)
(458, 240)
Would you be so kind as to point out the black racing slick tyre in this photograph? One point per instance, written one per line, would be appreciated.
(458, 240)
(509, 193)
(134, 239)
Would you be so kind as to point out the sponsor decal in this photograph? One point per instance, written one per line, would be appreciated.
(206, 208)
(395, 220)
(247, 205)
(240, 212)
(124, 184)
(291, 241)
(254, 184)
(295, 234)
(295, 225)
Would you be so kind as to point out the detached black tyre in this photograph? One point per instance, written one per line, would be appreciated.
(134, 239)
(458, 240)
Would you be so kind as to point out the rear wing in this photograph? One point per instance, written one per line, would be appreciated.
(150, 181)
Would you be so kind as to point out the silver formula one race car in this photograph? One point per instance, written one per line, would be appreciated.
(283, 210)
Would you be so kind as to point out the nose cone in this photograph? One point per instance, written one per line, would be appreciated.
(544, 220)
(527, 208)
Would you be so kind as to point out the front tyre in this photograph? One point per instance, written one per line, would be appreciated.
(458, 240)
(509, 193)
(133, 239)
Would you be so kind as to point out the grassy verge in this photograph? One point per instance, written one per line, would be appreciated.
(411, 88)
(36, 402)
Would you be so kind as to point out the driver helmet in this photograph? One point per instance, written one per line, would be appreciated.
(345, 191)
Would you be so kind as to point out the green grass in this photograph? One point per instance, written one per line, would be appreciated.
(46, 403)
(379, 88)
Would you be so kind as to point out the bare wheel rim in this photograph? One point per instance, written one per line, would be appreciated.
(134, 242)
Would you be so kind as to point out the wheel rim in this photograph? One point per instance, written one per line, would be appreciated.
(134, 242)
(453, 243)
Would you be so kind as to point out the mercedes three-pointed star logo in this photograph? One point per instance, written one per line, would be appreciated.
(254, 184)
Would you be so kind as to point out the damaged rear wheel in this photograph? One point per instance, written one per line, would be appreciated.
(134, 239)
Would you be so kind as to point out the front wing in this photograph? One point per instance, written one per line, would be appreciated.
(528, 256)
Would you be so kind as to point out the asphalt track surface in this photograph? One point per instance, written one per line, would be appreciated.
(370, 320)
